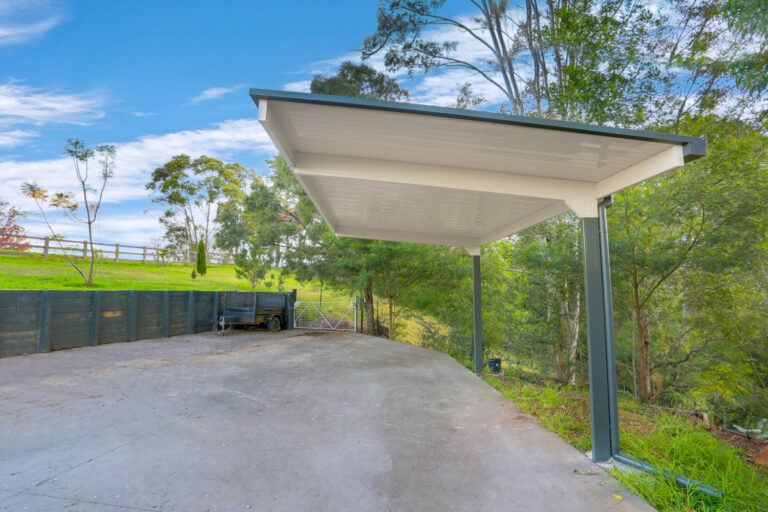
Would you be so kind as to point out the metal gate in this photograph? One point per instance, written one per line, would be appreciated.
(337, 316)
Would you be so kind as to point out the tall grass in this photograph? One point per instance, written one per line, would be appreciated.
(668, 441)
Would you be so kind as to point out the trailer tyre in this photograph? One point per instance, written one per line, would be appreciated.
(273, 324)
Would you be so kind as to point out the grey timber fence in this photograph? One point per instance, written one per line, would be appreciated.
(41, 321)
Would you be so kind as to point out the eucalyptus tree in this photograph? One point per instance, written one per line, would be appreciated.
(359, 81)
(569, 60)
(190, 190)
(707, 217)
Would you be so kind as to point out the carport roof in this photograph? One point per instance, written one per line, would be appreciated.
(417, 173)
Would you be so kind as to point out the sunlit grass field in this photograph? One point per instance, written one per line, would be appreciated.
(36, 273)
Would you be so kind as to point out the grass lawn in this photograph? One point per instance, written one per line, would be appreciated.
(36, 273)
(664, 439)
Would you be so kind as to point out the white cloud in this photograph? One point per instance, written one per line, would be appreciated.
(441, 88)
(13, 138)
(300, 86)
(135, 162)
(23, 104)
(214, 92)
(143, 114)
(14, 34)
(24, 21)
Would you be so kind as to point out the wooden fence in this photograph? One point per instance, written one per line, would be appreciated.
(40, 321)
(115, 252)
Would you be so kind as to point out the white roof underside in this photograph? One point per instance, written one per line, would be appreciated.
(436, 179)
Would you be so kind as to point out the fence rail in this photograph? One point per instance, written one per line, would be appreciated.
(40, 321)
(116, 252)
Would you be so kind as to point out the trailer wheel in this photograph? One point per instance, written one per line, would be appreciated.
(273, 324)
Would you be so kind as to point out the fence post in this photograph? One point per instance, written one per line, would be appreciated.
(215, 310)
(166, 300)
(46, 243)
(191, 312)
(117, 253)
(130, 328)
(93, 339)
(85, 249)
(144, 255)
(44, 329)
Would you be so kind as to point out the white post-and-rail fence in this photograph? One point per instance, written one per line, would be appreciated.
(116, 252)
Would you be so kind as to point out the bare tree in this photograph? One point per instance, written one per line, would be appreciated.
(85, 213)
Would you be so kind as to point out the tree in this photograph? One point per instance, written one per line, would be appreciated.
(750, 19)
(190, 190)
(201, 265)
(86, 212)
(695, 218)
(548, 258)
(11, 233)
(359, 81)
(267, 223)
(564, 59)
(602, 61)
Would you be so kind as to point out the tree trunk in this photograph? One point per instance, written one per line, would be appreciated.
(369, 313)
(643, 347)
(391, 320)
(573, 335)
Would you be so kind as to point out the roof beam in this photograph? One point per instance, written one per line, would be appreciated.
(545, 213)
(660, 163)
(387, 171)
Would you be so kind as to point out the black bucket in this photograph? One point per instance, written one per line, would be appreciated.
(494, 364)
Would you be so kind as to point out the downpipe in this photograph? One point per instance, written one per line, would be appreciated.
(679, 479)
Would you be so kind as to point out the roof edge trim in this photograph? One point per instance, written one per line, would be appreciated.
(694, 147)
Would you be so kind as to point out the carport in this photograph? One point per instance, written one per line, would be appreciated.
(415, 173)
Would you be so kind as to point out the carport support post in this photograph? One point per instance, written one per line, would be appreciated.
(602, 364)
(477, 304)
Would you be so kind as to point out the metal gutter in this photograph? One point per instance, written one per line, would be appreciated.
(693, 147)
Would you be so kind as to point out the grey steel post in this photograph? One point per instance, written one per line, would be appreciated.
(93, 334)
(605, 260)
(597, 343)
(477, 303)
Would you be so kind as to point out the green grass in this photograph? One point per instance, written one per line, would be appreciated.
(54, 273)
(668, 441)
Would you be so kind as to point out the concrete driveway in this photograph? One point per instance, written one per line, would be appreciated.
(291, 421)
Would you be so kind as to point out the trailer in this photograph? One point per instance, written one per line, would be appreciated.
(269, 309)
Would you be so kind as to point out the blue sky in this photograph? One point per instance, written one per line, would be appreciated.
(158, 78)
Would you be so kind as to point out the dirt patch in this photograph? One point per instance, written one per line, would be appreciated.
(315, 333)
